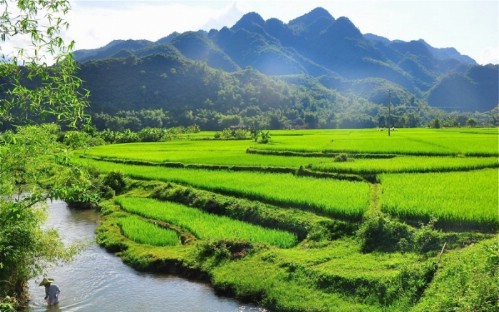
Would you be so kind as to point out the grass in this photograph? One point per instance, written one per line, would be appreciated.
(335, 277)
(451, 197)
(274, 287)
(466, 281)
(145, 232)
(417, 142)
(344, 259)
(326, 196)
(204, 225)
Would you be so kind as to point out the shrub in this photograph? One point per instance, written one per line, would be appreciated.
(225, 249)
(8, 304)
(426, 238)
(116, 181)
(264, 137)
(341, 158)
(379, 232)
(78, 140)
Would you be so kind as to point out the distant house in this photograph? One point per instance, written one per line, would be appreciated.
(239, 127)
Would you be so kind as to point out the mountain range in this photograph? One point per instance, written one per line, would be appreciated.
(331, 52)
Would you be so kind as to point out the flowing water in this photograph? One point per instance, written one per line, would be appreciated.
(98, 281)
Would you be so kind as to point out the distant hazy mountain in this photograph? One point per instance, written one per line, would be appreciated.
(317, 45)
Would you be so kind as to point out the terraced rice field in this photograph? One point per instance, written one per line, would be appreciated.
(455, 196)
(290, 224)
(204, 225)
(145, 232)
(408, 164)
(404, 141)
(325, 196)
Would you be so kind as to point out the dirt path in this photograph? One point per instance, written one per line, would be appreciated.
(375, 204)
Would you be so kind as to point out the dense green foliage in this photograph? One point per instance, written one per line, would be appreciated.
(168, 91)
(34, 168)
(37, 92)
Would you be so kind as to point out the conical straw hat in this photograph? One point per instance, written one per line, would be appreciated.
(46, 281)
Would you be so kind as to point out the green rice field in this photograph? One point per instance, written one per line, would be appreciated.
(204, 225)
(326, 196)
(145, 232)
(461, 196)
(408, 164)
(402, 141)
(315, 220)
(198, 152)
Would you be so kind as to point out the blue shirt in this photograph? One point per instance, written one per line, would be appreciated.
(52, 291)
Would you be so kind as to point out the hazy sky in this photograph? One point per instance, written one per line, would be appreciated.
(472, 27)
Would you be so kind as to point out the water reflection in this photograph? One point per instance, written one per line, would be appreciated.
(99, 281)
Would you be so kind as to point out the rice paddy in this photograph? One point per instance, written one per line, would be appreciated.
(455, 196)
(325, 196)
(198, 152)
(408, 164)
(145, 232)
(204, 225)
(316, 220)
(403, 141)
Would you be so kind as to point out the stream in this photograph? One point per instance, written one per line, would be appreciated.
(99, 281)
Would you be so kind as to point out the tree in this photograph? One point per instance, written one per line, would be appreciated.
(38, 84)
(435, 123)
(311, 120)
(38, 79)
(471, 122)
(33, 169)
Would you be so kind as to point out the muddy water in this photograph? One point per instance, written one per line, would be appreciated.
(99, 281)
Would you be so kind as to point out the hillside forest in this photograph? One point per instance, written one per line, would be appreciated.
(316, 71)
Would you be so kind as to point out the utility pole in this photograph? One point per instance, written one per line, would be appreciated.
(389, 110)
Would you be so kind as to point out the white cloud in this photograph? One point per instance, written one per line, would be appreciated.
(489, 55)
(95, 25)
(228, 16)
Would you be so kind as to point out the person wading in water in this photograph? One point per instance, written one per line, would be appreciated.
(51, 291)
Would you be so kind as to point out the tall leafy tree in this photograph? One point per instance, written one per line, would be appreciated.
(39, 85)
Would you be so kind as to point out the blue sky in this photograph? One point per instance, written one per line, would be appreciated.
(472, 27)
